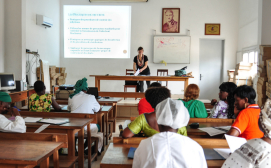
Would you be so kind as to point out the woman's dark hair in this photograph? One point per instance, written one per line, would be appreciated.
(39, 86)
(246, 92)
(157, 94)
(229, 87)
(155, 84)
(140, 48)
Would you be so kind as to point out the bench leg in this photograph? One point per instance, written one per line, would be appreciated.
(56, 159)
(89, 145)
(45, 163)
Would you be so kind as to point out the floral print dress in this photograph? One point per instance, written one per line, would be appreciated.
(220, 110)
(40, 103)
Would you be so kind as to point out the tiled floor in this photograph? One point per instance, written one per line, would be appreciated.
(96, 164)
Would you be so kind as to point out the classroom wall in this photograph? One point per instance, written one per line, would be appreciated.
(248, 23)
(146, 17)
(46, 41)
(265, 23)
(14, 27)
(2, 52)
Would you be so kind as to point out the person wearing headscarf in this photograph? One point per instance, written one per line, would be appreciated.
(81, 102)
(147, 122)
(167, 148)
(246, 113)
(6, 125)
(41, 101)
(256, 153)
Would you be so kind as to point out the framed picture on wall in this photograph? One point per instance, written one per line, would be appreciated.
(171, 20)
(212, 29)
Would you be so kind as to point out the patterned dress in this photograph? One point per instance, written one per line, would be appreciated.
(256, 153)
(40, 103)
(220, 110)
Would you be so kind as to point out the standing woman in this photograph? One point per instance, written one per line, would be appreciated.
(141, 63)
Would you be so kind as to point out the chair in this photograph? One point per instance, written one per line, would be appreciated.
(162, 72)
(130, 84)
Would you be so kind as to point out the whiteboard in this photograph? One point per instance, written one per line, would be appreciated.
(172, 49)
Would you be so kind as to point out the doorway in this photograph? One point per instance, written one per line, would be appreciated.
(210, 67)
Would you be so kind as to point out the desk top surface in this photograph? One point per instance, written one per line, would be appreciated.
(111, 99)
(74, 123)
(26, 152)
(116, 155)
(203, 125)
(140, 76)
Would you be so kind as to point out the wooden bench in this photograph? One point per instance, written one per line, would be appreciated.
(58, 161)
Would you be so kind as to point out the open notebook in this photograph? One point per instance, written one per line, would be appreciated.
(221, 153)
(47, 121)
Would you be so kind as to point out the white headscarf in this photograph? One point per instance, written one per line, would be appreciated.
(172, 113)
(265, 118)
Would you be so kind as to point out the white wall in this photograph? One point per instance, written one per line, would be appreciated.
(46, 41)
(248, 23)
(2, 52)
(146, 17)
(266, 23)
(15, 25)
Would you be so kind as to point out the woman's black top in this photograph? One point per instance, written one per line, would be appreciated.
(147, 70)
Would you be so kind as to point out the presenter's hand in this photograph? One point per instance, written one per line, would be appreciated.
(140, 70)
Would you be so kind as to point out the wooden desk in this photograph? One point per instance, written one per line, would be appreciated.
(116, 157)
(106, 111)
(78, 120)
(75, 125)
(98, 79)
(196, 133)
(112, 102)
(22, 153)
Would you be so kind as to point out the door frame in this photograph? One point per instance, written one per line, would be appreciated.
(222, 58)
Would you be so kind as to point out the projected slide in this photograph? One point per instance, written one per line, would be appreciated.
(97, 31)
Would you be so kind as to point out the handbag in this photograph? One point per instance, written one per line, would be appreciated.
(180, 72)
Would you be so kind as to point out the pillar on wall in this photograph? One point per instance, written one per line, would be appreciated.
(264, 22)
(15, 30)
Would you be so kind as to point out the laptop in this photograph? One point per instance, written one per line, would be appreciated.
(94, 91)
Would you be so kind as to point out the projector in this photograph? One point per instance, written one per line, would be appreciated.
(66, 87)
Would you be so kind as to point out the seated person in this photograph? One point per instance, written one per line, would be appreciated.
(147, 122)
(143, 105)
(256, 153)
(167, 148)
(41, 101)
(18, 125)
(195, 107)
(246, 113)
(225, 107)
(81, 102)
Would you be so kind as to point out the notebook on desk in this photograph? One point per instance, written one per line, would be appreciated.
(52, 121)
(131, 153)
(211, 154)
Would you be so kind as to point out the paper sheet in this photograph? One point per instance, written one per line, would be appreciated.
(137, 72)
(235, 142)
(41, 128)
(52, 121)
(31, 119)
(212, 131)
(225, 153)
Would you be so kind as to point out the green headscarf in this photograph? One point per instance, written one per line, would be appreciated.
(5, 97)
(79, 86)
